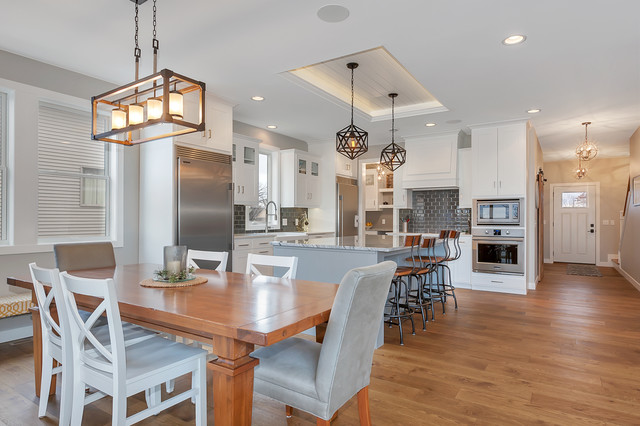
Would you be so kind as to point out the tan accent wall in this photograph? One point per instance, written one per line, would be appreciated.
(630, 248)
(612, 173)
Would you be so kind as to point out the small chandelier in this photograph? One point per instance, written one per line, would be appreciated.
(587, 150)
(581, 171)
(352, 140)
(149, 101)
(393, 155)
(381, 171)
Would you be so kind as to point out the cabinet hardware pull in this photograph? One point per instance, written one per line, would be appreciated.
(243, 245)
(209, 133)
(243, 189)
(500, 282)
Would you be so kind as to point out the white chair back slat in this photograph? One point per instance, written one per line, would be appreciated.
(50, 328)
(95, 354)
(289, 262)
(214, 256)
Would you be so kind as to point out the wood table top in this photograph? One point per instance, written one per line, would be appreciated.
(260, 310)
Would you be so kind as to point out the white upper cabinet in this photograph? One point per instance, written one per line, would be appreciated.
(432, 162)
(371, 190)
(245, 170)
(300, 179)
(401, 196)
(465, 180)
(345, 167)
(499, 157)
(218, 134)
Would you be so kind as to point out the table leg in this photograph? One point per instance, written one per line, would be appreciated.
(232, 382)
(321, 329)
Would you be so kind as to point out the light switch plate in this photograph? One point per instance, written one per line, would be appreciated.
(384, 221)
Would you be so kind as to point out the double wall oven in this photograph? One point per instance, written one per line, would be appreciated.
(498, 237)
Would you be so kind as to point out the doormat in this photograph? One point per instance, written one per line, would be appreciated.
(584, 270)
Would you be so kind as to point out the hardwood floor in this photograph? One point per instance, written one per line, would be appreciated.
(568, 353)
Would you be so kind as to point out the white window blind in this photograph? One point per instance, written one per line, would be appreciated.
(73, 175)
(3, 168)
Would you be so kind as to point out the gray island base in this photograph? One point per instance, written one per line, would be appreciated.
(328, 259)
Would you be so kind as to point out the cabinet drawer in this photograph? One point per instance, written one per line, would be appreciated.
(243, 244)
(497, 282)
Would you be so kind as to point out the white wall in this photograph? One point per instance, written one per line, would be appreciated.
(630, 244)
(28, 82)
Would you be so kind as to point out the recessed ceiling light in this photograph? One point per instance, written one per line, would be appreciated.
(430, 124)
(514, 39)
(333, 13)
(534, 110)
(257, 98)
(272, 126)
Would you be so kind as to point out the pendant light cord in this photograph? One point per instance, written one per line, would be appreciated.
(352, 96)
(154, 42)
(393, 120)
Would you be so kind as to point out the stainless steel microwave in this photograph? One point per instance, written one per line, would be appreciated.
(498, 212)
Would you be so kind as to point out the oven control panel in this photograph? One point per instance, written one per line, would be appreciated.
(497, 232)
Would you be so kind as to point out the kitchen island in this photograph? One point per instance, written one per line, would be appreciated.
(328, 259)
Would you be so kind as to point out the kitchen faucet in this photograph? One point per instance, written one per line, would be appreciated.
(267, 214)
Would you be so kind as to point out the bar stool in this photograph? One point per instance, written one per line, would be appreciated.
(422, 297)
(449, 290)
(398, 309)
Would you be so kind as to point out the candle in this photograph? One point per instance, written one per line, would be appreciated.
(173, 266)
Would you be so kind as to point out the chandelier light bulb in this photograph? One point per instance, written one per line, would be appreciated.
(154, 108)
(176, 104)
(587, 150)
(118, 119)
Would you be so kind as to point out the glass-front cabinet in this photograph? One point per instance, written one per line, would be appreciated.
(300, 179)
(245, 170)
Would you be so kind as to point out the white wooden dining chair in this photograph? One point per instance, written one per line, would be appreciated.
(213, 256)
(122, 371)
(56, 343)
(288, 262)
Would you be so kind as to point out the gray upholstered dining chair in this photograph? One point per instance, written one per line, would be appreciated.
(320, 378)
(76, 256)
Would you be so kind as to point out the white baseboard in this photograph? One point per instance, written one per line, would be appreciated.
(548, 261)
(628, 277)
(14, 328)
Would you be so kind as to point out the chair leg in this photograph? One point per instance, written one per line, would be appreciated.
(45, 384)
(363, 407)
(201, 400)
(77, 406)
(288, 411)
(119, 405)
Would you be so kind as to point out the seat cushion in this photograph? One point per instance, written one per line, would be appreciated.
(290, 364)
(15, 304)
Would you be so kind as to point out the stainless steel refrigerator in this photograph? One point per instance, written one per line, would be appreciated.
(347, 209)
(205, 204)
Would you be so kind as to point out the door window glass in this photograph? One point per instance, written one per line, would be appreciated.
(574, 200)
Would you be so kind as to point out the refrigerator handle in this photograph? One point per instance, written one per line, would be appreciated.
(340, 228)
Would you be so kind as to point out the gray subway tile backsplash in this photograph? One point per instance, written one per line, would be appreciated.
(291, 214)
(436, 210)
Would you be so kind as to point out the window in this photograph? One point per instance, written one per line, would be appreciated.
(73, 176)
(255, 216)
(3, 167)
(574, 200)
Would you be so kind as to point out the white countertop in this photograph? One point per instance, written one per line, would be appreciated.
(427, 235)
(271, 235)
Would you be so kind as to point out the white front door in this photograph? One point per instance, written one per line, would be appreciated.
(574, 224)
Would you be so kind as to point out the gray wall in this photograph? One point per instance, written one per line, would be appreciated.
(27, 71)
(269, 138)
(630, 245)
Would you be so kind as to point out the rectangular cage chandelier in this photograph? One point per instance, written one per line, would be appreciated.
(161, 98)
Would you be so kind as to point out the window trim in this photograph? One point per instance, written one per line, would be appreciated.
(273, 158)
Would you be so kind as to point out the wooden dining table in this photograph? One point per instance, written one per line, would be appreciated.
(232, 311)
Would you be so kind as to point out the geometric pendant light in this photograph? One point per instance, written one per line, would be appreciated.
(151, 102)
(352, 141)
(587, 150)
(393, 155)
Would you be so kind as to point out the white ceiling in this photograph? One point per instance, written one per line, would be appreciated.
(581, 60)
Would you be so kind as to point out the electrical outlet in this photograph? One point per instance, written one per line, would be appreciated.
(296, 222)
(384, 221)
(284, 222)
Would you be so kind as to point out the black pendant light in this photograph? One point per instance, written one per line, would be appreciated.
(352, 140)
(393, 155)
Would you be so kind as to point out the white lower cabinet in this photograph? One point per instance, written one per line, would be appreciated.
(502, 283)
(256, 245)
(461, 267)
